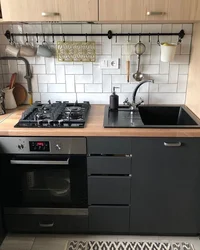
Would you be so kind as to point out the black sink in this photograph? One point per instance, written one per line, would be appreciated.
(151, 116)
(165, 115)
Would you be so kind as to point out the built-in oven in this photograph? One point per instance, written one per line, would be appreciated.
(44, 179)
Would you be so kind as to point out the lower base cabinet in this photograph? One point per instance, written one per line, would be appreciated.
(109, 219)
(46, 224)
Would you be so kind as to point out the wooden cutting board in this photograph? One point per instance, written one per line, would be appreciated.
(20, 94)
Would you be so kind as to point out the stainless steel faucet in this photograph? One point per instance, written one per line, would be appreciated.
(134, 104)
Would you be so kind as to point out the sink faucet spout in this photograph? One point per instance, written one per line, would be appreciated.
(137, 87)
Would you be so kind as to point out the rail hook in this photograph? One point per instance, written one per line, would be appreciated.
(158, 42)
(26, 38)
(63, 38)
(53, 40)
(36, 37)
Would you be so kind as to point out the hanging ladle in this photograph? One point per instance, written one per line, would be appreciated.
(139, 50)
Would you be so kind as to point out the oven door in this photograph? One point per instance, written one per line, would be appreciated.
(45, 182)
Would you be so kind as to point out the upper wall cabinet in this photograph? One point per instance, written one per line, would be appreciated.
(149, 10)
(50, 10)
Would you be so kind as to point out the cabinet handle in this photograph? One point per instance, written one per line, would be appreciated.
(49, 14)
(172, 144)
(46, 225)
(155, 13)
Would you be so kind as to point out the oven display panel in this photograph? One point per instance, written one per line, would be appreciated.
(39, 146)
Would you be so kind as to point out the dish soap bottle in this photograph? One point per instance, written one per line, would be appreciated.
(114, 100)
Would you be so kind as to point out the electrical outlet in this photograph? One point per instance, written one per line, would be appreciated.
(112, 63)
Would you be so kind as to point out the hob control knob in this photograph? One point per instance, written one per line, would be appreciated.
(58, 147)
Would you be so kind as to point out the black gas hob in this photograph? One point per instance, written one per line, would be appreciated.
(55, 115)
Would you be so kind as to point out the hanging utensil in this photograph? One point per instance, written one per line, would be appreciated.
(12, 80)
(139, 50)
(128, 52)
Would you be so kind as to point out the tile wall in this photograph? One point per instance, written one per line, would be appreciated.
(87, 81)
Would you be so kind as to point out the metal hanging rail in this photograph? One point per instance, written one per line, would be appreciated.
(10, 36)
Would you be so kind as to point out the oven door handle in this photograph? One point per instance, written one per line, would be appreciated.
(46, 225)
(26, 162)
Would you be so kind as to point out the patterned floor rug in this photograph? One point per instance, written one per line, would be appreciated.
(114, 245)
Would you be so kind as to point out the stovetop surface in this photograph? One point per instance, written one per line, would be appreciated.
(55, 115)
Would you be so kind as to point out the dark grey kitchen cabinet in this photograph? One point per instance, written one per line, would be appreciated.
(109, 219)
(109, 184)
(26, 223)
(111, 190)
(108, 145)
(165, 186)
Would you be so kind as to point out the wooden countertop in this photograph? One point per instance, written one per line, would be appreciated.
(94, 127)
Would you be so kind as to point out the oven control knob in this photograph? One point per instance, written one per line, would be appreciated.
(58, 147)
(20, 146)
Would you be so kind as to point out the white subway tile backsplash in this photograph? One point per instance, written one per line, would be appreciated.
(39, 60)
(60, 73)
(80, 88)
(188, 28)
(128, 87)
(56, 87)
(116, 28)
(155, 54)
(116, 51)
(12, 67)
(153, 87)
(164, 68)
(36, 97)
(70, 83)
(119, 79)
(173, 73)
(159, 78)
(166, 98)
(46, 79)
(71, 28)
(167, 87)
(97, 74)
(71, 97)
(94, 98)
(83, 78)
(87, 81)
(87, 68)
(96, 28)
(182, 83)
(42, 88)
(35, 87)
(50, 65)
(183, 69)
(74, 69)
(38, 69)
(151, 69)
(94, 88)
(106, 46)
(107, 83)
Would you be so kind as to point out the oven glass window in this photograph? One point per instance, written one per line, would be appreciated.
(43, 185)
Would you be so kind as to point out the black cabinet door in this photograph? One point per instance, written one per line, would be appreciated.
(165, 186)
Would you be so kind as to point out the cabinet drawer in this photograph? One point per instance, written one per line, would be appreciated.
(106, 219)
(108, 190)
(46, 223)
(109, 145)
(109, 165)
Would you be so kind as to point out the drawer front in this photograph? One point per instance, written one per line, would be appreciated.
(46, 223)
(109, 165)
(105, 219)
(108, 145)
(108, 190)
